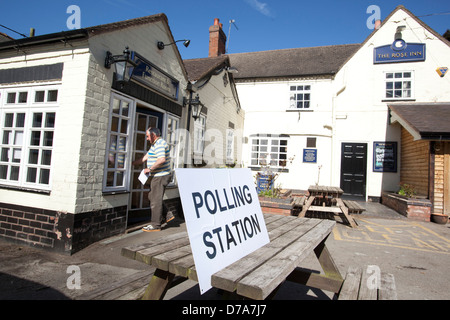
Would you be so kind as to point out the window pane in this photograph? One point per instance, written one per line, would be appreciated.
(23, 96)
(11, 97)
(119, 179)
(389, 75)
(142, 123)
(37, 120)
(52, 95)
(3, 172)
(120, 160)
(35, 138)
(389, 85)
(39, 96)
(20, 120)
(17, 155)
(398, 75)
(6, 137)
(50, 120)
(112, 161)
(14, 174)
(18, 138)
(125, 107)
(33, 157)
(48, 138)
(110, 179)
(307, 87)
(5, 155)
(9, 120)
(45, 176)
(115, 124)
(407, 75)
(124, 126)
(31, 174)
(116, 106)
(46, 157)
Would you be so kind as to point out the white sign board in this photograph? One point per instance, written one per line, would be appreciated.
(223, 218)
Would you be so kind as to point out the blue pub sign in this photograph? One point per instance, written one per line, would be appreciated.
(399, 51)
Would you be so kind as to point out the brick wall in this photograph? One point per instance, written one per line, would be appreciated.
(416, 209)
(59, 231)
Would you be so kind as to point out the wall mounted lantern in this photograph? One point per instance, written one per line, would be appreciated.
(123, 63)
(161, 44)
(196, 106)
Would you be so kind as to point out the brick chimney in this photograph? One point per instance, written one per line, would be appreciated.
(217, 39)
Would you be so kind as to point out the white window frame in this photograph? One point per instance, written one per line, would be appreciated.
(396, 80)
(230, 147)
(199, 135)
(300, 96)
(113, 162)
(44, 144)
(263, 153)
(173, 125)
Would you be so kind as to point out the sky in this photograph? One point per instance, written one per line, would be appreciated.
(259, 25)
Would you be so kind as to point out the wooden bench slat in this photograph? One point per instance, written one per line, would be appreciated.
(263, 280)
(130, 251)
(350, 287)
(366, 293)
(147, 254)
(388, 290)
(228, 277)
(356, 286)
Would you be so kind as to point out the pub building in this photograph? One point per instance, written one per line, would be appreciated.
(364, 117)
(74, 109)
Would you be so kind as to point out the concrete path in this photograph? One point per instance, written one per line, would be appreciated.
(417, 253)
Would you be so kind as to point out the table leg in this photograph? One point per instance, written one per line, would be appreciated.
(158, 286)
(344, 210)
(330, 281)
(306, 206)
(326, 261)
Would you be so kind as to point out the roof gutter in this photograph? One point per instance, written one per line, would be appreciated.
(63, 36)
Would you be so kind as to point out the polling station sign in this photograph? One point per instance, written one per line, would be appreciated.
(223, 218)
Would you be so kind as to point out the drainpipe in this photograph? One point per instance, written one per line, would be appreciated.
(188, 125)
(333, 129)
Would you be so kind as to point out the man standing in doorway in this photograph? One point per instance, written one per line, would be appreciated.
(158, 166)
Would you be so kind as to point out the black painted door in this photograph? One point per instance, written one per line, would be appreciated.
(353, 169)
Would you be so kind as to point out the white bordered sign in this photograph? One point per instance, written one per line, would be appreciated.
(223, 218)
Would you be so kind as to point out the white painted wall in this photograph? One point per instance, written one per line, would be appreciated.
(349, 108)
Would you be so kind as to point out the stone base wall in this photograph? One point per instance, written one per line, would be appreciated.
(417, 209)
(59, 231)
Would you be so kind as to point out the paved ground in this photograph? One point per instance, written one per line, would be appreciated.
(417, 253)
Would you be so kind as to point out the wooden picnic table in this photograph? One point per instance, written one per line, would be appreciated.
(327, 199)
(255, 276)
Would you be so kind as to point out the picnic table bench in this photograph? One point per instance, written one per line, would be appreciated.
(328, 200)
(255, 276)
(356, 286)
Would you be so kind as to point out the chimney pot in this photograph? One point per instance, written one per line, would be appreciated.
(217, 39)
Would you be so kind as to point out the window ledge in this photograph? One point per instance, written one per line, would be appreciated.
(299, 110)
(24, 189)
(110, 193)
(398, 100)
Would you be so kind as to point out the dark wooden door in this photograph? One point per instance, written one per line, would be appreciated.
(353, 169)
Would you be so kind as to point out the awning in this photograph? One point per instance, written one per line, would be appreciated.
(424, 121)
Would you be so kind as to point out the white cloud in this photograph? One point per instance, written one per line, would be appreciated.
(261, 7)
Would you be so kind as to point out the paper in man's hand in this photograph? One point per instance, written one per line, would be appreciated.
(143, 177)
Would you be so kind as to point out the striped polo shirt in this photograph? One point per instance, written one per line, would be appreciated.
(158, 150)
